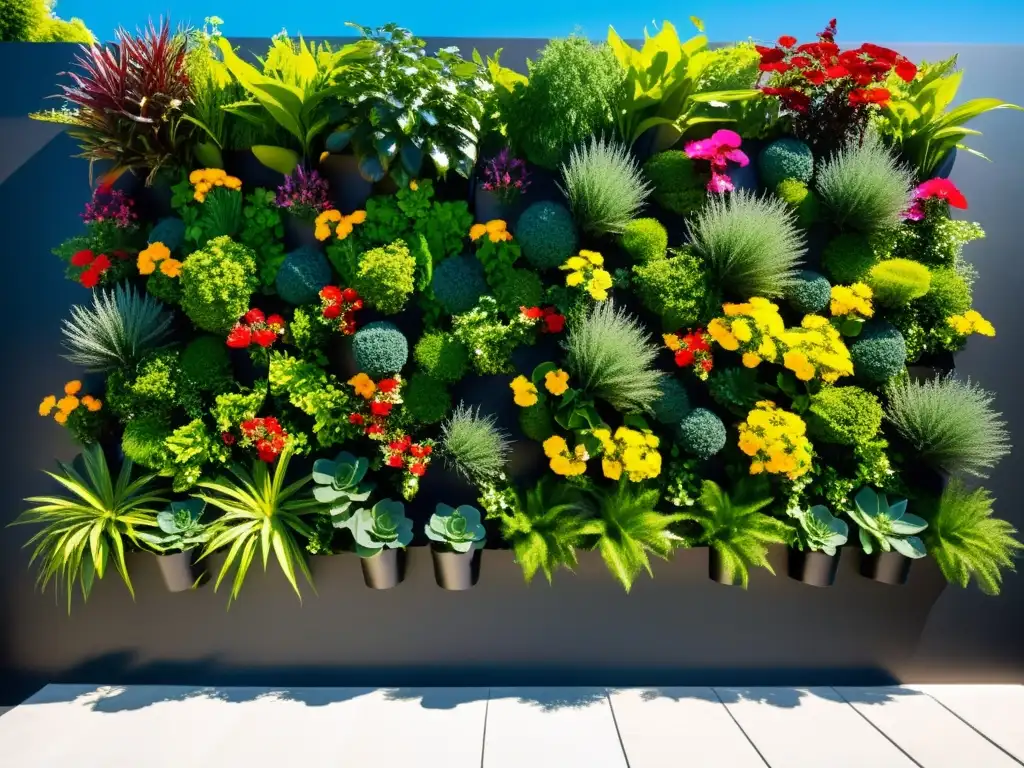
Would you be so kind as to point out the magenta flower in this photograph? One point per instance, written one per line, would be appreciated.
(933, 189)
(110, 205)
(506, 176)
(720, 149)
(304, 194)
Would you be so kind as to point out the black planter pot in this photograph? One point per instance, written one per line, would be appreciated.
(814, 568)
(886, 567)
(716, 572)
(456, 570)
(180, 571)
(384, 570)
(243, 164)
(299, 233)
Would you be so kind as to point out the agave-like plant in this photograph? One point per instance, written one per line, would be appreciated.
(887, 527)
(84, 532)
(820, 531)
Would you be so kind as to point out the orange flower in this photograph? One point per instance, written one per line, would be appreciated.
(60, 417)
(171, 267)
(477, 231)
(67, 404)
(357, 217)
(48, 404)
(94, 405)
(73, 387)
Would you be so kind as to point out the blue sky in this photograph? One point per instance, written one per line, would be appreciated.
(893, 21)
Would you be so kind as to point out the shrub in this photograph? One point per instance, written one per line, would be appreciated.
(674, 403)
(459, 283)
(301, 275)
(848, 258)
(170, 231)
(701, 433)
(385, 277)
(864, 188)
(216, 283)
(645, 240)
(205, 364)
(380, 349)
(786, 158)
(143, 441)
(19, 19)
(897, 282)
(157, 382)
(612, 357)
(948, 294)
(844, 415)
(676, 186)
(604, 186)
(801, 199)
(966, 540)
(569, 98)
(546, 235)
(950, 423)
(442, 356)
(425, 399)
(536, 422)
(878, 353)
(675, 289)
(750, 244)
(519, 288)
(473, 445)
(809, 293)
(53, 30)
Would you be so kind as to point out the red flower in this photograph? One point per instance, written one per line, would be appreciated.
(355, 418)
(250, 425)
(349, 294)
(276, 323)
(380, 409)
(400, 445)
(254, 316)
(706, 364)
(420, 451)
(396, 460)
(906, 70)
(532, 313)
(787, 41)
(331, 311)
(869, 96)
(814, 76)
(375, 429)
(121, 255)
(90, 278)
(387, 385)
(266, 451)
(684, 357)
(240, 337)
(101, 264)
(554, 323)
(272, 425)
(835, 72)
(775, 66)
(419, 469)
(800, 61)
(264, 337)
(331, 293)
(82, 258)
(829, 32)
(942, 189)
(770, 55)
(228, 438)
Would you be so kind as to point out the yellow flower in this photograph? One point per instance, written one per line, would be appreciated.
(611, 468)
(750, 360)
(498, 237)
(73, 387)
(153, 253)
(597, 294)
(67, 404)
(357, 217)
(740, 329)
(554, 446)
(722, 335)
(414, 186)
(593, 257)
(363, 385)
(672, 341)
(574, 263)
(171, 267)
(344, 228)
(556, 382)
(60, 417)
(574, 278)
(749, 443)
(322, 232)
(525, 393)
(196, 176)
(232, 182)
(48, 404)
(601, 279)
(496, 225)
(477, 231)
(984, 327)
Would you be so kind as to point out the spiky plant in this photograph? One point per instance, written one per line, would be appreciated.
(117, 330)
(864, 188)
(612, 357)
(736, 528)
(950, 423)
(604, 186)
(473, 445)
(631, 526)
(967, 541)
(751, 245)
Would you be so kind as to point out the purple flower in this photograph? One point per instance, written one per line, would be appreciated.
(303, 194)
(506, 176)
(110, 205)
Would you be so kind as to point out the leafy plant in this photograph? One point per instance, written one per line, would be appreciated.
(676, 289)
(425, 400)
(442, 356)
(612, 357)
(676, 185)
(736, 528)
(645, 240)
(864, 188)
(458, 529)
(751, 245)
(216, 283)
(967, 541)
(604, 186)
(86, 531)
(473, 445)
(382, 526)
(886, 525)
(491, 338)
(950, 423)
(844, 415)
(180, 527)
(260, 511)
(737, 389)
(800, 199)
(120, 327)
(341, 483)
(820, 531)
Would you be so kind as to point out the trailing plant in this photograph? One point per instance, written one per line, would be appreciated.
(604, 186)
(456, 529)
(887, 527)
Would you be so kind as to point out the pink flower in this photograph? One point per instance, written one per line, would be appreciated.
(943, 189)
(720, 183)
(720, 149)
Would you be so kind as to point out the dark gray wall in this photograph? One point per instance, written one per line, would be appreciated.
(678, 628)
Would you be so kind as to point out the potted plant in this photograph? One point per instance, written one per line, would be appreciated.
(380, 532)
(180, 533)
(502, 183)
(887, 535)
(302, 198)
(815, 559)
(457, 536)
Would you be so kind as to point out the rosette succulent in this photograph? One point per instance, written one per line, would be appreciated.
(341, 482)
(384, 525)
(180, 527)
(886, 526)
(458, 529)
(821, 532)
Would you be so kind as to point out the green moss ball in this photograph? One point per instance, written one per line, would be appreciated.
(425, 399)
(536, 422)
(878, 353)
(442, 356)
(205, 363)
(546, 235)
(143, 441)
(302, 274)
(519, 288)
(809, 293)
(844, 415)
(701, 433)
(645, 240)
(459, 283)
(897, 282)
(801, 199)
(380, 349)
(848, 258)
(949, 294)
(674, 403)
(786, 158)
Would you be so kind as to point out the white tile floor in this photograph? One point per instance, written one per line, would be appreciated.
(944, 726)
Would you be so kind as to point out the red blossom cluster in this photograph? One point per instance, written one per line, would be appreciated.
(265, 433)
(553, 322)
(340, 304)
(379, 399)
(404, 453)
(256, 328)
(94, 265)
(692, 350)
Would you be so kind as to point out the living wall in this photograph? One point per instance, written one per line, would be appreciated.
(345, 299)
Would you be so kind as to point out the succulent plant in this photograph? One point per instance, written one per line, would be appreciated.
(180, 527)
(887, 525)
(459, 529)
(341, 482)
(384, 525)
(822, 532)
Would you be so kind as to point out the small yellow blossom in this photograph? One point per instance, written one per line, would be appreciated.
(555, 445)
(413, 185)
(672, 341)
(556, 382)
(750, 360)
(477, 231)
(574, 278)
(525, 392)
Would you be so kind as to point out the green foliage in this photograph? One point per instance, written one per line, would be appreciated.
(170, 231)
(340, 483)
(537, 422)
(886, 526)
(456, 529)
(491, 339)
(473, 445)
(809, 293)
(216, 283)
(220, 215)
(546, 235)
(192, 449)
(844, 415)
(938, 241)
(950, 423)
(382, 526)
(442, 356)
(612, 357)
(848, 258)
(86, 426)
(143, 441)
(737, 389)
(676, 186)
(301, 276)
(785, 158)
(878, 353)
(701, 433)
(263, 233)
(801, 199)
(751, 245)
(164, 288)
(645, 240)
(863, 187)
(86, 531)
(676, 289)
(820, 531)
(425, 399)
(674, 404)
(948, 294)
(385, 277)
(315, 393)
(604, 186)
(119, 328)
(568, 99)
(967, 541)
(19, 19)
(309, 333)
(230, 409)
(896, 282)
(736, 528)
(519, 288)
(205, 364)
(380, 349)
(444, 225)
(459, 283)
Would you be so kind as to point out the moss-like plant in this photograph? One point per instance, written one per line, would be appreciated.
(216, 283)
(546, 235)
(878, 353)
(385, 277)
(897, 282)
(863, 188)
(848, 258)
(809, 293)
(675, 289)
(844, 415)
(604, 186)
(301, 276)
(645, 240)
(785, 158)
(701, 433)
(205, 364)
(519, 288)
(948, 294)
(674, 404)
(442, 356)
(473, 445)
(798, 196)
(143, 441)
(380, 349)
(676, 185)
(459, 283)
(537, 422)
(425, 399)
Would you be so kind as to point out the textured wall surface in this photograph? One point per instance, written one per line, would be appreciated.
(679, 628)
